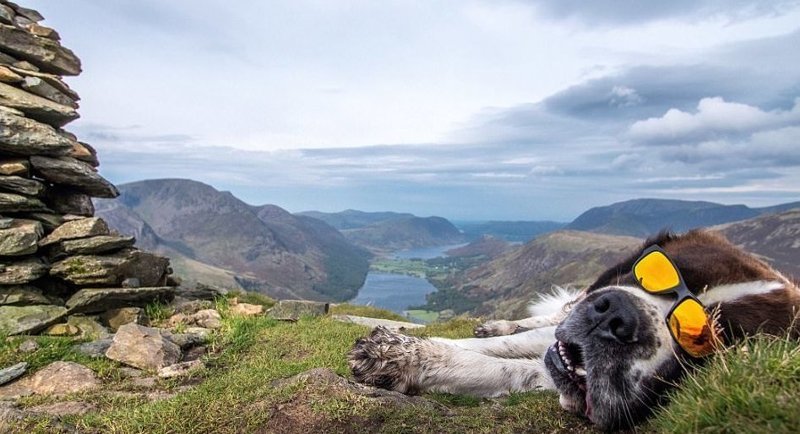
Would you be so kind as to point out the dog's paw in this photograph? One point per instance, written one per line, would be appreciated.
(387, 360)
(497, 328)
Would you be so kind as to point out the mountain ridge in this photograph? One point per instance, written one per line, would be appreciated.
(266, 247)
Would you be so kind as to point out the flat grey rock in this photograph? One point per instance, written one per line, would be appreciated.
(13, 372)
(29, 319)
(377, 322)
(22, 271)
(75, 173)
(89, 300)
(12, 202)
(20, 238)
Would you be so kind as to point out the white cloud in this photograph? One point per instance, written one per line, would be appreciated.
(714, 117)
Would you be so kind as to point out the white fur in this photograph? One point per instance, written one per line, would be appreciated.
(734, 291)
(554, 302)
(529, 344)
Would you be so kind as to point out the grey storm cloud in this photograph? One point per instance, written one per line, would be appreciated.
(606, 12)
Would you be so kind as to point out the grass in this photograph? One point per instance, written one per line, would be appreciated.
(368, 311)
(750, 388)
(426, 316)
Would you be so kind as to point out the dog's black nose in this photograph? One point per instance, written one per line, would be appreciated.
(614, 316)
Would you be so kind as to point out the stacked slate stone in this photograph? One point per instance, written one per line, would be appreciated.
(56, 259)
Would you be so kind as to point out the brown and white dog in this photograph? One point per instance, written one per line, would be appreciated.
(607, 350)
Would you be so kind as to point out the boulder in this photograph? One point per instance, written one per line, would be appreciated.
(94, 349)
(24, 136)
(37, 86)
(207, 318)
(61, 378)
(192, 337)
(75, 173)
(201, 291)
(49, 221)
(76, 229)
(17, 184)
(23, 271)
(112, 269)
(65, 200)
(46, 54)
(90, 246)
(13, 372)
(11, 202)
(21, 295)
(14, 166)
(28, 346)
(246, 309)
(292, 310)
(51, 79)
(29, 319)
(90, 300)
(34, 106)
(62, 330)
(143, 347)
(88, 327)
(180, 369)
(115, 318)
(20, 237)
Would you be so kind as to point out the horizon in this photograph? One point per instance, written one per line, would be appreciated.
(475, 110)
(453, 220)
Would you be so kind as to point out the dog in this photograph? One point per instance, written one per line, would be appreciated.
(607, 350)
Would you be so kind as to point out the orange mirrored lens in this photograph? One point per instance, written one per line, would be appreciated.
(689, 325)
(656, 273)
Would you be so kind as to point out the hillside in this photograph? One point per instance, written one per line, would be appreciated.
(515, 231)
(405, 233)
(485, 246)
(774, 237)
(504, 286)
(352, 219)
(641, 217)
(263, 248)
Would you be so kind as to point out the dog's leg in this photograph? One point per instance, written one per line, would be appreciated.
(548, 311)
(413, 365)
(528, 344)
(504, 327)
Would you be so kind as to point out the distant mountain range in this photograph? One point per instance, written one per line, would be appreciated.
(353, 219)
(774, 237)
(516, 231)
(642, 217)
(383, 232)
(214, 237)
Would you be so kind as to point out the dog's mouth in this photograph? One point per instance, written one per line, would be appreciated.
(568, 360)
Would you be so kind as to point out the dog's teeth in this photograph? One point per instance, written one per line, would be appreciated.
(580, 371)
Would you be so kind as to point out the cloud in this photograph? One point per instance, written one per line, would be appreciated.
(714, 118)
(614, 12)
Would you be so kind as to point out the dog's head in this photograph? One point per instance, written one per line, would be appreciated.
(615, 357)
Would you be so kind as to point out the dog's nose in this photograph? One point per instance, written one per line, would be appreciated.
(614, 317)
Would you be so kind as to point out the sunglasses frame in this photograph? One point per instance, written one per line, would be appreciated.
(680, 289)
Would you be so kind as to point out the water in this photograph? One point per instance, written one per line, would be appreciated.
(424, 252)
(395, 292)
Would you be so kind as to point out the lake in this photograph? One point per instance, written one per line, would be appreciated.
(396, 292)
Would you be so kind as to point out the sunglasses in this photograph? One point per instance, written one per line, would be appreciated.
(687, 320)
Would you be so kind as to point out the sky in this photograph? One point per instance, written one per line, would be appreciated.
(468, 109)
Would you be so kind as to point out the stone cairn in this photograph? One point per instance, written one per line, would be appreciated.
(58, 263)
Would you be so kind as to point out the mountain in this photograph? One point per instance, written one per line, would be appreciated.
(352, 219)
(486, 246)
(405, 233)
(642, 217)
(519, 231)
(259, 247)
(505, 286)
(774, 237)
